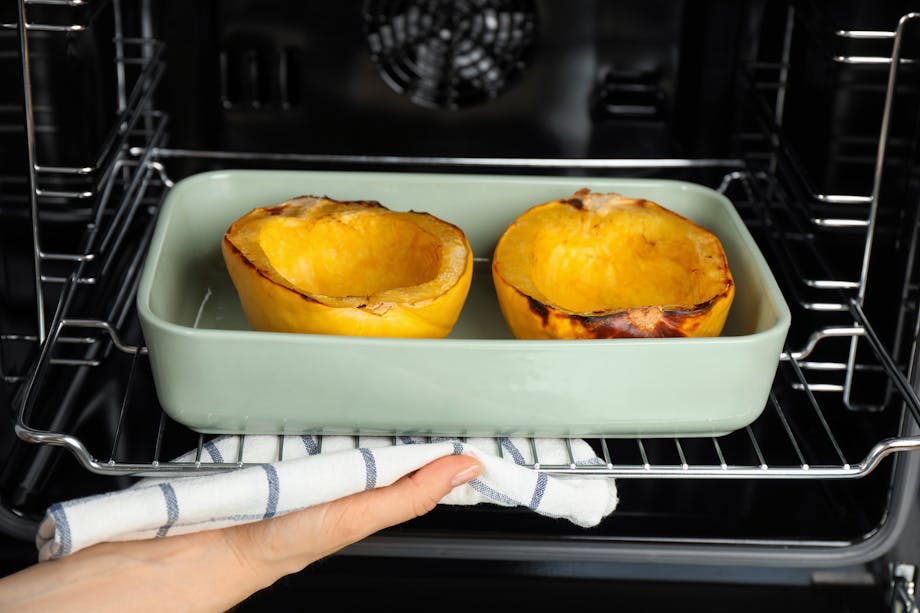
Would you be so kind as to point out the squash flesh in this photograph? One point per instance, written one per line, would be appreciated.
(361, 256)
(602, 266)
(320, 266)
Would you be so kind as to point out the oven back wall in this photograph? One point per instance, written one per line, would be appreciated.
(513, 79)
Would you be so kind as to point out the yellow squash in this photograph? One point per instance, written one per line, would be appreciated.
(321, 266)
(605, 266)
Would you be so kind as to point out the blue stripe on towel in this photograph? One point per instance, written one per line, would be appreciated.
(458, 448)
(214, 452)
(309, 443)
(370, 468)
(406, 440)
(497, 496)
(508, 446)
(538, 491)
(274, 488)
(62, 527)
(172, 508)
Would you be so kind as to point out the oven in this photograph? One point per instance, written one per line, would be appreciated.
(803, 114)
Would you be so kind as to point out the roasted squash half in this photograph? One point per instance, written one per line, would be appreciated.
(322, 266)
(605, 266)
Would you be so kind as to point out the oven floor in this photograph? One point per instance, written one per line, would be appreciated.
(359, 581)
(379, 580)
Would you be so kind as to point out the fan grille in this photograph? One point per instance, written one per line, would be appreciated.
(450, 54)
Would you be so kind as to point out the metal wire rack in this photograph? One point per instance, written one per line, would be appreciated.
(806, 430)
(740, 455)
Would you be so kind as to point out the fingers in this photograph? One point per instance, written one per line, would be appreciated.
(355, 517)
(291, 542)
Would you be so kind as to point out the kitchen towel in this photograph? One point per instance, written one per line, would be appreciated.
(312, 470)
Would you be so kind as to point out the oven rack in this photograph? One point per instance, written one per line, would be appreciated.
(717, 458)
(828, 458)
(788, 441)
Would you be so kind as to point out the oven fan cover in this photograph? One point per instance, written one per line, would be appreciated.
(450, 55)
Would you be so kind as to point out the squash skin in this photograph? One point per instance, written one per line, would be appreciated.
(529, 317)
(276, 306)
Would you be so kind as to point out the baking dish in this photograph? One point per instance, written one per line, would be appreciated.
(215, 375)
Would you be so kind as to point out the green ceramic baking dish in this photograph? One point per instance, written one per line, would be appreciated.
(214, 374)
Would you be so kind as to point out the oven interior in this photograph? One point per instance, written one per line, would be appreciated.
(803, 113)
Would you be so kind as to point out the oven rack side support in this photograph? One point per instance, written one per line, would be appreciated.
(104, 194)
(857, 212)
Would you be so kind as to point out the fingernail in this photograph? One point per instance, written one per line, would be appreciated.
(467, 474)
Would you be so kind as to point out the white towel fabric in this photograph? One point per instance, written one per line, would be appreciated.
(313, 470)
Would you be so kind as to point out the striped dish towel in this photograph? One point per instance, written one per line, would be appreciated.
(313, 470)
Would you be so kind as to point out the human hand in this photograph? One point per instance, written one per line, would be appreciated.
(288, 543)
(216, 569)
